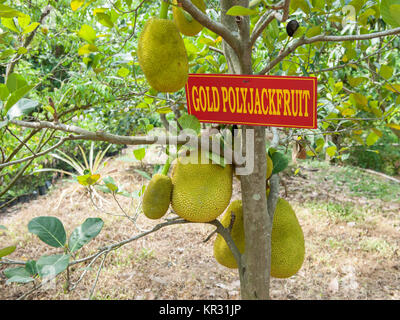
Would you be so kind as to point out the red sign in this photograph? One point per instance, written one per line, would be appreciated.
(277, 101)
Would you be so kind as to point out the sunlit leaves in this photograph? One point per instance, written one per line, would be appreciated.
(7, 12)
(139, 153)
(88, 179)
(76, 4)
(314, 31)
(87, 49)
(10, 24)
(6, 251)
(240, 11)
(87, 33)
(31, 27)
(390, 12)
(123, 72)
(372, 138)
(386, 72)
(104, 19)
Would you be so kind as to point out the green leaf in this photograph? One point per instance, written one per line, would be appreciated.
(386, 72)
(110, 184)
(189, 121)
(6, 251)
(372, 138)
(50, 266)
(15, 81)
(22, 107)
(104, 19)
(7, 12)
(84, 233)
(87, 33)
(76, 4)
(139, 153)
(6, 53)
(88, 179)
(4, 92)
(31, 27)
(123, 72)
(24, 20)
(86, 49)
(355, 82)
(19, 271)
(240, 11)
(10, 24)
(395, 12)
(331, 151)
(20, 279)
(30, 267)
(49, 229)
(280, 162)
(22, 50)
(16, 96)
(302, 4)
(143, 174)
(314, 31)
(387, 8)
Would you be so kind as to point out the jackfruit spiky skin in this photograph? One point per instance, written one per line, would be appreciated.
(201, 192)
(157, 196)
(162, 55)
(186, 27)
(287, 242)
(222, 253)
(270, 167)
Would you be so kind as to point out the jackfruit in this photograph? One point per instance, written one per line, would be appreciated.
(157, 196)
(201, 192)
(162, 55)
(287, 240)
(222, 253)
(270, 167)
(186, 27)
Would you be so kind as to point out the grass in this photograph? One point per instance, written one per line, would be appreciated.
(358, 182)
(336, 211)
(378, 245)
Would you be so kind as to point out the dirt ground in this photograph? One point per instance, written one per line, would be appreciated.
(351, 253)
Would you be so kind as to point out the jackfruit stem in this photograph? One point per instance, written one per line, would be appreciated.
(164, 9)
(166, 167)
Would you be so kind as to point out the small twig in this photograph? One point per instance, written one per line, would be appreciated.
(97, 276)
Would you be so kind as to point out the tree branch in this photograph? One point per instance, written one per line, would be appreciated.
(28, 40)
(268, 17)
(326, 38)
(214, 26)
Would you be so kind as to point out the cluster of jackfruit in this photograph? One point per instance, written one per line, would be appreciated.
(287, 239)
(161, 51)
(197, 191)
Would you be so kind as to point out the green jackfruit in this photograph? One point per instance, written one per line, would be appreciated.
(186, 27)
(287, 240)
(157, 196)
(222, 253)
(162, 55)
(201, 192)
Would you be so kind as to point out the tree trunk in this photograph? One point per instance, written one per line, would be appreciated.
(255, 267)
